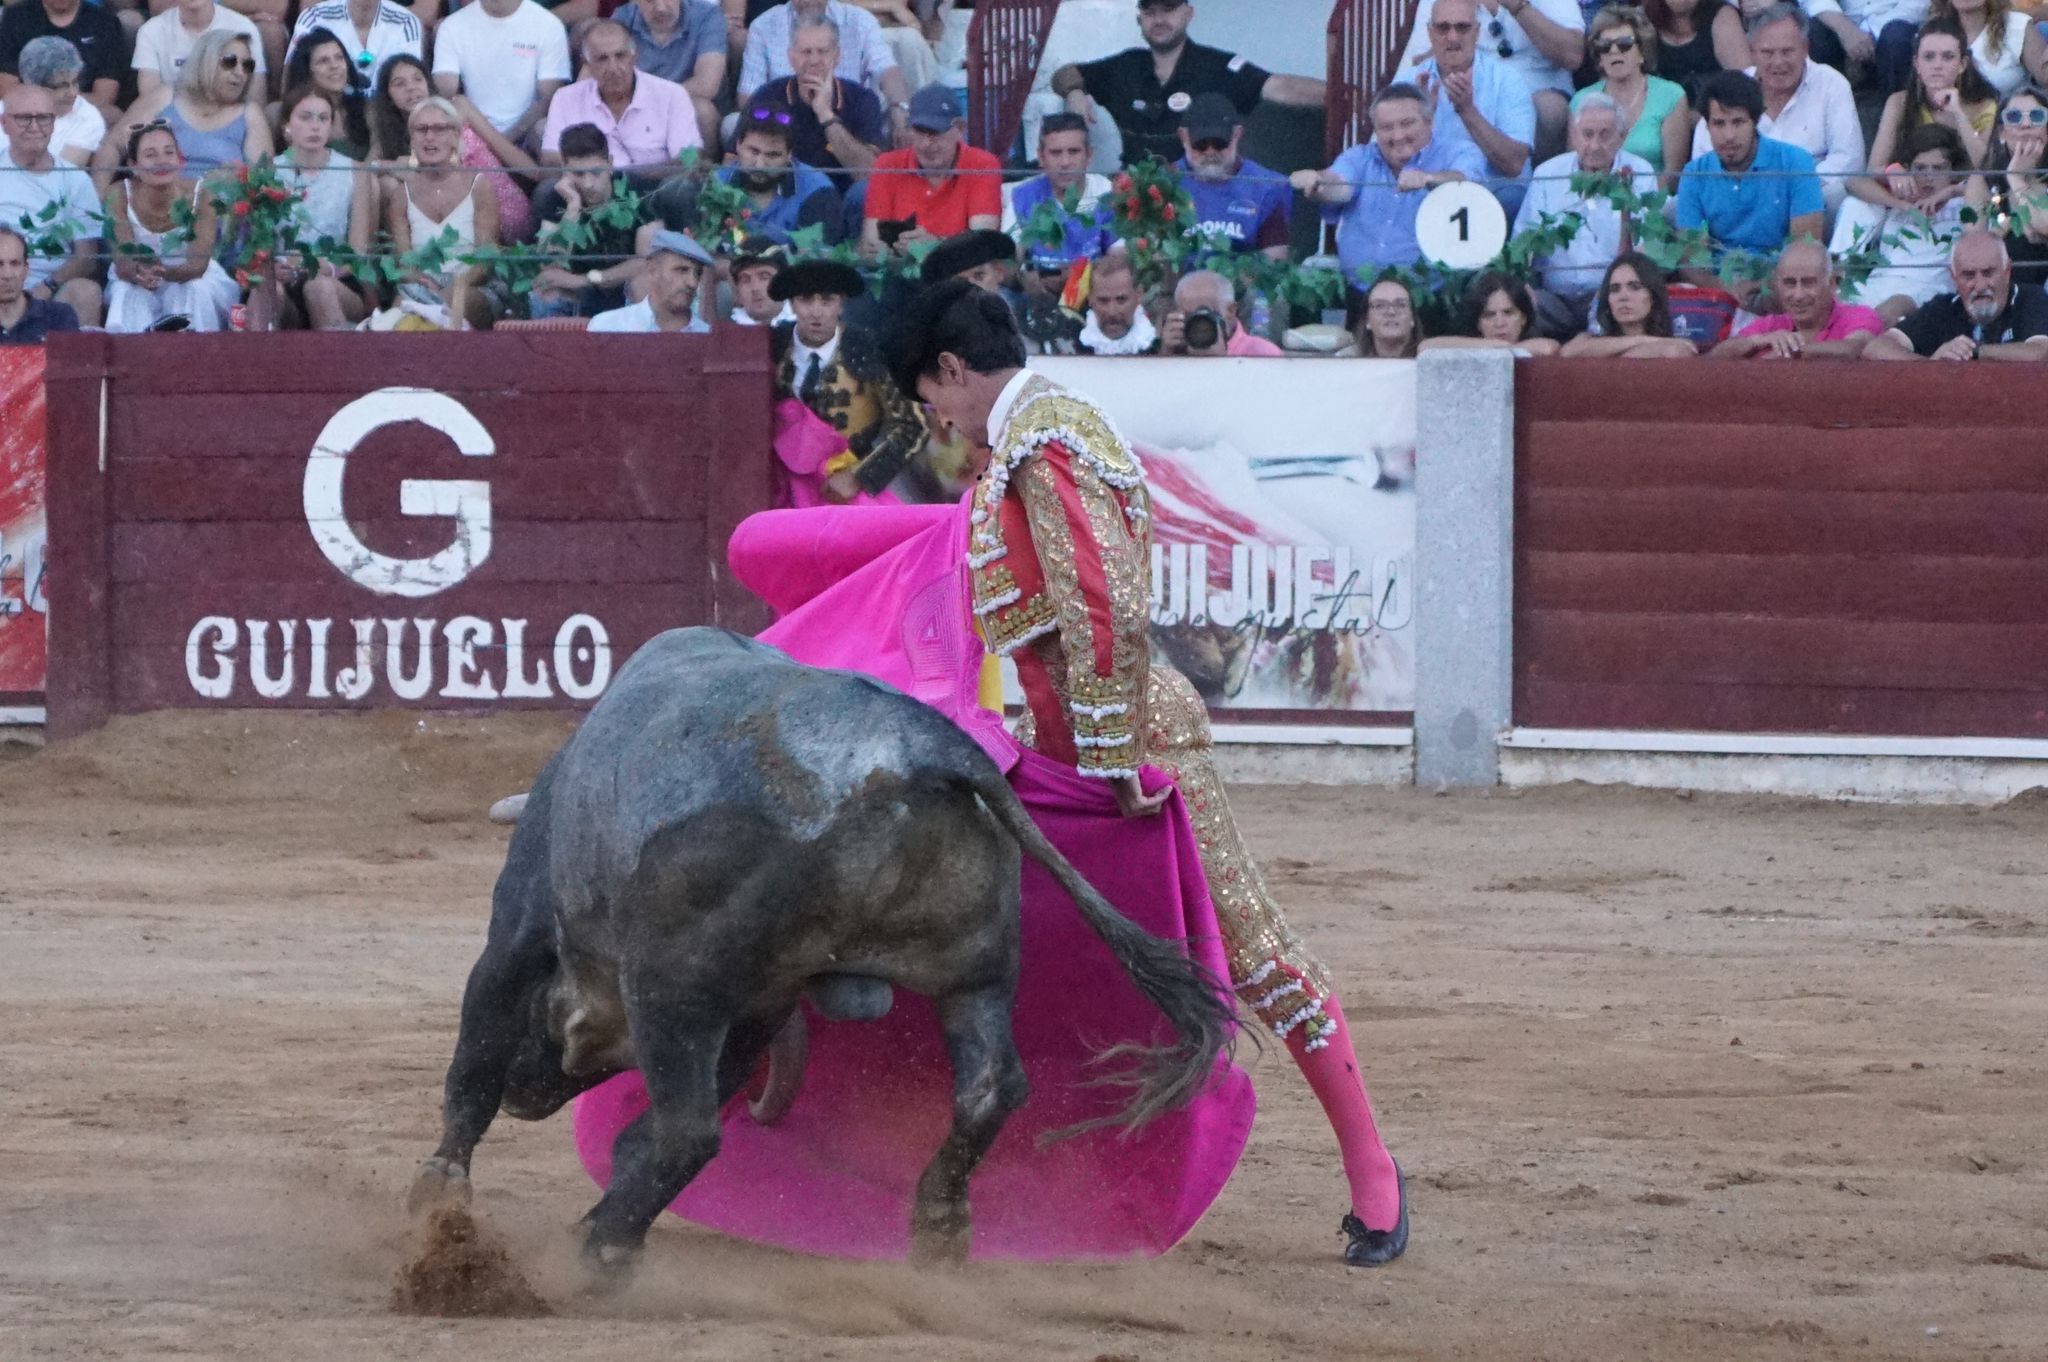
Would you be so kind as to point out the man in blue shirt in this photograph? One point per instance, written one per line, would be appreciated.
(1236, 199)
(25, 320)
(1063, 155)
(1477, 100)
(1372, 192)
(1751, 192)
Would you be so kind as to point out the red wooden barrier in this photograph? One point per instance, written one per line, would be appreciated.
(1365, 41)
(1780, 547)
(1004, 43)
(367, 521)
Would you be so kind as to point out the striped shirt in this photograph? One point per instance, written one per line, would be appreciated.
(394, 30)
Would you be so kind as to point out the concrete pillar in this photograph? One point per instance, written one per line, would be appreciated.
(1464, 564)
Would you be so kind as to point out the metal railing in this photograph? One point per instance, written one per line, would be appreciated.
(1365, 42)
(1004, 44)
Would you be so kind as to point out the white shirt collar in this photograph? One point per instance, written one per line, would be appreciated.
(999, 414)
(804, 352)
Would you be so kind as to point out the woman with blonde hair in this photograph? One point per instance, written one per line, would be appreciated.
(207, 110)
(1655, 116)
(436, 197)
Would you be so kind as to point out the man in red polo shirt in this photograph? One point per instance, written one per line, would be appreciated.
(936, 187)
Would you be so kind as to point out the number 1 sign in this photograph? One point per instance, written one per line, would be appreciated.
(1460, 226)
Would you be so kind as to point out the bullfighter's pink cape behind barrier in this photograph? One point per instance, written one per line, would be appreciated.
(836, 1175)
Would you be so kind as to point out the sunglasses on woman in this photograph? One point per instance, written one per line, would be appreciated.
(2020, 118)
(1625, 42)
(238, 64)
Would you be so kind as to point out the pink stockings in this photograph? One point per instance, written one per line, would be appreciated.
(1333, 1074)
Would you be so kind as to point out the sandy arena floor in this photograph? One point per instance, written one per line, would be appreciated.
(1672, 1078)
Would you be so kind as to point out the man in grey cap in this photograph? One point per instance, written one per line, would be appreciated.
(675, 267)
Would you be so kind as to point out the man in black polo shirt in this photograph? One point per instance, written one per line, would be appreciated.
(834, 124)
(1987, 317)
(25, 320)
(1147, 89)
(92, 29)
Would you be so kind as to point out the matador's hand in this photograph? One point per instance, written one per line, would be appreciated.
(1132, 800)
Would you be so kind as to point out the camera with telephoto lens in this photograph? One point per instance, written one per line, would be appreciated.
(1203, 328)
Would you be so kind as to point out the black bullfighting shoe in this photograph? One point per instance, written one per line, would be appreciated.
(1372, 1248)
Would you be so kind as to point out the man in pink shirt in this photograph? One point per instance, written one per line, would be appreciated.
(1204, 320)
(1815, 324)
(647, 120)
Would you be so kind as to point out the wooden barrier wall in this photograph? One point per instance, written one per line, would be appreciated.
(231, 525)
(1820, 547)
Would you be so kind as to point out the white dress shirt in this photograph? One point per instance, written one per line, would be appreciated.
(1575, 271)
(803, 353)
(1536, 70)
(1870, 15)
(637, 318)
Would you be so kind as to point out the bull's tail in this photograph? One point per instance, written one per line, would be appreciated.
(1194, 1000)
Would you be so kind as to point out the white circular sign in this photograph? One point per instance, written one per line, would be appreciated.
(1460, 226)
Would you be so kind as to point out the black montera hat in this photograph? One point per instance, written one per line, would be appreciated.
(959, 254)
(817, 276)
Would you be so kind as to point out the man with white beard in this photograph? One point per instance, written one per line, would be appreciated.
(1235, 198)
(1987, 317)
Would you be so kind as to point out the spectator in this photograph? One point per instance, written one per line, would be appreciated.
(162, 268)
(911, 37)
(1987, 317)
(1915, 241)
(936, 187)
(373, 31)
(753, 273)
(1063, 170)
(1542, 41)
(1751, 192)
(1945, 88)
(1815, 323)
(1498, 314)
(2004, 44)
(1573, 272)
(840, 377)
(983, 258)
(835, 124)
(681, 41)
(1476, 100)
(1805, 103)
(340, 205)
(1633, 317)
(25, 320)
(63, 260)
(2009, 196)
(1384, 321)
(787, 196)
(402, 87)
(163, 43)
(91, 29)
(673, 269)
(508, 57)
(441, 200)
(1204, 320)
(1696, 38)
(208, 110)
(593, 274)
(1855, 35)
(1235, 198)
(1659, 119)
(649, 121)
(53, 64)
(1048, 327)
(1372, 192)
(1145, 89)
(864, 55)
(320, 59)
(1116, 324)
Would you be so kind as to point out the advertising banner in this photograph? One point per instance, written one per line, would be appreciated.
(22, 538)
(1284, 527)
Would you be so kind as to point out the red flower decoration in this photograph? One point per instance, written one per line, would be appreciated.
(1167, 212)
(241, 208)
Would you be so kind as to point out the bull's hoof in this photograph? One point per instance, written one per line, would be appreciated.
(508, 809)
(440, 1182)
(607, 1267)
(940, 1240)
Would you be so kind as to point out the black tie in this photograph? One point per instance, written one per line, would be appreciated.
(808, 389)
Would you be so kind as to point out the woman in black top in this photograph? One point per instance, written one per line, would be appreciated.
(2013, 178)
(1696, 38)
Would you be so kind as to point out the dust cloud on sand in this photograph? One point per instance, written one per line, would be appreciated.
(1684, 1079)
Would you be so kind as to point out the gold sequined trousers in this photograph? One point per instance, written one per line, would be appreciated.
(1272, 970)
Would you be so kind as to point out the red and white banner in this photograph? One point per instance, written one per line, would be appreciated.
(22, 537)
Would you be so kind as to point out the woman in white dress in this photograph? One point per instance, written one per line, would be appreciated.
(2004, 43)
(435, 198)
(163, 269)
(340, 205)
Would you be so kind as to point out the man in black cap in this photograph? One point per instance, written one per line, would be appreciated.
(982, 257)
(752, 272)
(1236, 199)
(1147, 89)
(839, 375)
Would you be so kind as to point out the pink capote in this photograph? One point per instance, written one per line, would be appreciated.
(804, 442)
(837, 1174)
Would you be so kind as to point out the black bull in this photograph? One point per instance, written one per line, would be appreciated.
(727, 830)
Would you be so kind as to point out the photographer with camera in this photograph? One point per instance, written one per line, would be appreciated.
(1204, 320)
